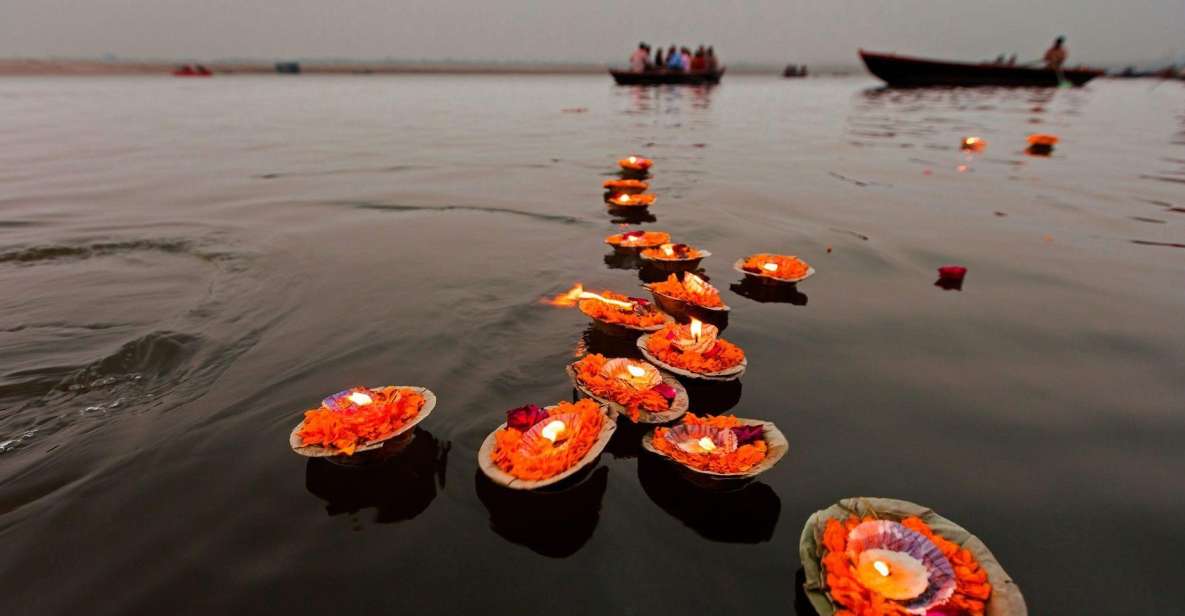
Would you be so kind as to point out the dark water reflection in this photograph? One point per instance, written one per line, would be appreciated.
(170, 310)
(398, 481)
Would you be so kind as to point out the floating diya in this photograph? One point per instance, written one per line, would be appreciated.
(774, 268)
(360, 419)
(629, 387)
(633, 241)
(693, 350)
(674, 257)
(1041, 144)
(722, 446)
(538, 447)
(973, 144)
(691, 294)
(630, 200)
(614, 312)
(636, 164)
(883, 556)
(627, 186)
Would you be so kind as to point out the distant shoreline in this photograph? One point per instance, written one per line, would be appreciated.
(83, 67)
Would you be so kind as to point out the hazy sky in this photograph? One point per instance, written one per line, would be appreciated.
(812, 31)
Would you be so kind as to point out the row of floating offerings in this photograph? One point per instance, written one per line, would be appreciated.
(1040, 144)
(860, 556)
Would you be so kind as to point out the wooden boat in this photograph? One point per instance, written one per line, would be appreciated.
(193, 71)
(665, 77)
(904, 71)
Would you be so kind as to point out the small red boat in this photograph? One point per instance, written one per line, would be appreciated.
(906, 72)
(193, 70)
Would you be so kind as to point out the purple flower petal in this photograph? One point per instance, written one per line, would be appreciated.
(523, 417)
(665, 391)
(748, 434)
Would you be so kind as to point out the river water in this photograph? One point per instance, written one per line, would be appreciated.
(187, 265)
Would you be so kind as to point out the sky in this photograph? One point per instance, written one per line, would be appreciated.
(750, 31)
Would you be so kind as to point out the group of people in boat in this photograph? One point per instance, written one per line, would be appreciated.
(678, 59)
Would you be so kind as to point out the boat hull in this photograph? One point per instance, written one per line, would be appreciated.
(658, 78)
(906, 72)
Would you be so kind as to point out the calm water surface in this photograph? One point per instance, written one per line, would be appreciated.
(187, 265)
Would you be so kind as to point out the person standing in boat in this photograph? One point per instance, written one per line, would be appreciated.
(710, 60)
(674, 60)
(640, 59)
(1055, 57)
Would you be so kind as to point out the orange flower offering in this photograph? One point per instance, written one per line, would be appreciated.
(542, 443)
(694, 347)
(673, 252)
(1041, 139)
(974, 144)
(716, 444)
(878, 567)
(779, 267)
(359, 416)
(692, 289)
(634, 384)
(635, 163)
(631, 200)
(638, 239)
(631, 187)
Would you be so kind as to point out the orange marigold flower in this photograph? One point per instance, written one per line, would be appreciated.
(391, 409)
(541, 465)
(639, 239)
(707, 295)
(744, 458)
(723, 356)
(588, 372)
(611, 313)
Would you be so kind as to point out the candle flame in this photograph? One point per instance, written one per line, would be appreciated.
(697, 327)
(360, 398)
(552, 430)
(668, 249)
(572, 296)
(635, 371)
(694, 283)
(770, 267)
(706, 444)
(881, 567)
(623, 198)
(633, 159)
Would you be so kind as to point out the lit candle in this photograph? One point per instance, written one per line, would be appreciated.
(552, 430)
(623, 198)
(707, 445)
(633, 160)
(668, 250)
(359, 398)
(881, 568)
(635, 371)
(770, 267)
(694, 283)
(697, 328)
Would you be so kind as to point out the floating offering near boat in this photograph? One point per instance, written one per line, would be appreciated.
(538, 447)
(1041, 144)
(627, 186)
(723, 446)
(633, 241)
(974, 144)
(636, 164)
(693, 350)
(880, 556)
(360, 419)
(691, 294)
(630, 200)
(629, 387)
(674, 257)
(613, 311)
(774, 269)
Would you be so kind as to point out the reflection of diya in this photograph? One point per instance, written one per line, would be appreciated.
(882, 556)
(635, 164)
(539, 447)
(1041, 144)
(774, 268)
(360, 419)
(613, 311)
(691, 294)
(633, 241)
(722, 446)
(674, 257)
(628, 200)
(627, 186)
(693, 350)
(629, 387)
